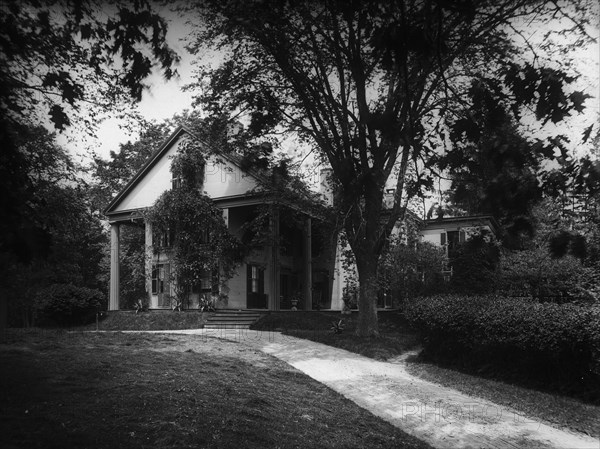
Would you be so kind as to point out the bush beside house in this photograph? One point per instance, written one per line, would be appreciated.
(544, 344)
(68, 305)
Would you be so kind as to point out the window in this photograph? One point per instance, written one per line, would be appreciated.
(160, 279)
(256, 298)
(254, 279)
(208, 282)
(451, 240)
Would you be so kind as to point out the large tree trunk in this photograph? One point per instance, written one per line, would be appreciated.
(366, 264)
(3, 313)
(364, 230)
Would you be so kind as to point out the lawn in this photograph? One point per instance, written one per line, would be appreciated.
(115, 390)
(396, 338)
(155, 320)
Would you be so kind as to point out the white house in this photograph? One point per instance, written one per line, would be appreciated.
(303, 268)
(308, 267)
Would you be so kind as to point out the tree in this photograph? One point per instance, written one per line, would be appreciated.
(493, 168)
(57, 55)
(474, 265)
(575, 190)
(367, 83)
(49, 234)
(413, 269)
(559, 263)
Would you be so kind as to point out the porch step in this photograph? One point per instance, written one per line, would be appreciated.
(232, 319)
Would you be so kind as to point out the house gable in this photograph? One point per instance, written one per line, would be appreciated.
(223, 178)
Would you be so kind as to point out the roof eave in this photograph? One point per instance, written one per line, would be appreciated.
(142, 171)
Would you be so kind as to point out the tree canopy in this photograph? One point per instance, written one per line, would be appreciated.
(49, 233)
(57, 55)
(372, 85)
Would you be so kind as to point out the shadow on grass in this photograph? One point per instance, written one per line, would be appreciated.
(395, 336)
(129, 390)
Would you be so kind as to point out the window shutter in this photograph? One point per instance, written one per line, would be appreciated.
(261, 281)
(154, 280)
(249, 278)
(443, 238)
(215, 282)
(167, 290)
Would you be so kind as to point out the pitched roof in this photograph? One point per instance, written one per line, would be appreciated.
(467, 220)
(158, 154)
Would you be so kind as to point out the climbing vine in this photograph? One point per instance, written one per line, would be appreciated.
(199, 241)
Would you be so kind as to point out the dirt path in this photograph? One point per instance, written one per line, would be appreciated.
(443, 417)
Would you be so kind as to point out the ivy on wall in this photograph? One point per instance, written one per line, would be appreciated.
(200, 240)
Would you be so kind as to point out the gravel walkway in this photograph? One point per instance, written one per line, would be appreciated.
(443, 417)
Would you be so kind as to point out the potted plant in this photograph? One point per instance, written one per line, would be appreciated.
(295, 299)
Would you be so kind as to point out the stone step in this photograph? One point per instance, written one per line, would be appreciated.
(226, 326)
(232, 319)
(240, 312)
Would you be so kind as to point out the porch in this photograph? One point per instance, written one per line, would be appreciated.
(293, 268)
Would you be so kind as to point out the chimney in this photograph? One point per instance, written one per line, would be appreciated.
(326, 185)
(388, 198)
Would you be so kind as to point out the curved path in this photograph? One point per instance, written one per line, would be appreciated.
(443, 417)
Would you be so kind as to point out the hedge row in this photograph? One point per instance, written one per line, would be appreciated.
(550, 345)
(67, 305)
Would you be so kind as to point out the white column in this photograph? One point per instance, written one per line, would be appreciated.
(148, 259)
(307, 264)
(226, 217)
(113, 303)
(339, 279)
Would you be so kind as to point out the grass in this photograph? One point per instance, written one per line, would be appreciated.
(154, 320)
(553, 408)
(115, 390)
(397, 338)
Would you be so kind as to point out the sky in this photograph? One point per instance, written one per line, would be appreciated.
(161, 101)
(166, 98)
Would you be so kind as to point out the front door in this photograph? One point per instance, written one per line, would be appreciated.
(255, 288)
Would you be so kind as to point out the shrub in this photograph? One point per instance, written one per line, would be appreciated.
(67, 304)
(534, 272)
(474, 265)
(544, 344)
(409, 270)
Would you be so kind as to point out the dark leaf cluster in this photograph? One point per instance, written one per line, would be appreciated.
(56, 56)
